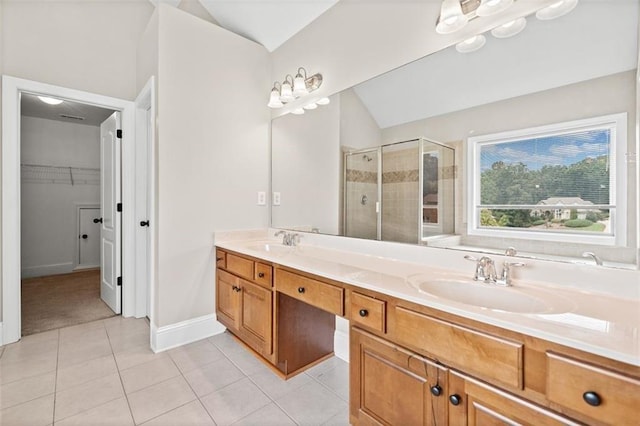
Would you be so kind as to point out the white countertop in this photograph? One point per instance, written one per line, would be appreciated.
(587, 318)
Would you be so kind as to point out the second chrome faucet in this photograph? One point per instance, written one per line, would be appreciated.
(486, 271)
(288, 238)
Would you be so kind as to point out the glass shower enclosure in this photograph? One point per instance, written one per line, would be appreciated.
(401, 192)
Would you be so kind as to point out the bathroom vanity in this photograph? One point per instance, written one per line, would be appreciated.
(419, 359)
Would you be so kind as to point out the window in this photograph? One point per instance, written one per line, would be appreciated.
(556, 182)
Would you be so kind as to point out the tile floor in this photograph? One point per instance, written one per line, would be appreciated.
(103, 373)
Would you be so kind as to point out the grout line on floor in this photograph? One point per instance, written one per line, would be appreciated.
(55, 381)
(126, 397)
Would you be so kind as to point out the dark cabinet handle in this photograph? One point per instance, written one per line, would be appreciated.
(592, 398)
(97, 220)
(260, 274)
(236, 288)
(436, 390)
(144, 223)
(363, 312)
(455, 399)
(85, 236)
(300, 289)
(218, 259)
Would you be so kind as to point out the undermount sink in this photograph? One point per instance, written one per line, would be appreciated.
(270, 247)
(514, 299)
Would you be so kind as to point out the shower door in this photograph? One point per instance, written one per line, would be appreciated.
(362, 186)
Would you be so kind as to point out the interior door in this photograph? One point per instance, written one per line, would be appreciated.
(89, 238)
(110, 196)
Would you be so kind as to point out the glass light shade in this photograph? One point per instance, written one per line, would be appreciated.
(274, 99)
(299, 86)
(297, 111)
(451, 17)
(556, 10)
(312, 105)
(509, 29)
(286, 94)
(50, 101)
(323, 101)
(491, 7)
(471, 44)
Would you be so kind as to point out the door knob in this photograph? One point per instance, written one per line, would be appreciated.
(97, 220)
(85, 236)
(144, 223)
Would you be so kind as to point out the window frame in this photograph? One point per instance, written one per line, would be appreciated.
(618, 180)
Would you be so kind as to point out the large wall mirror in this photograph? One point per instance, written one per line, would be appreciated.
(526, 143)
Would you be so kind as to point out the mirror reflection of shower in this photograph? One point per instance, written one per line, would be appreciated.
(400, 192)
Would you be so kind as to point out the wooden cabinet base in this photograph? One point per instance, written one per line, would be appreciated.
(304, 335)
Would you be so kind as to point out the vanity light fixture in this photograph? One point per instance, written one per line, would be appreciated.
(491, 7)
(293, 87)
(323, 101)
(510, 28)
(298, 111)
(471, 44)
(310, 106)
(286, 90)
(50, 101)
(556, 10)
(451, 17)
(274, 98)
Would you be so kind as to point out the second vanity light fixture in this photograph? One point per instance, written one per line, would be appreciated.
(294, 87)
(455, 14)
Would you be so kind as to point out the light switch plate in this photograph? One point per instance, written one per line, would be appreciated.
(276, 198)
(262, 198)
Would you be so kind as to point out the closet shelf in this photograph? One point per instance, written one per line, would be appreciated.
(40, 173)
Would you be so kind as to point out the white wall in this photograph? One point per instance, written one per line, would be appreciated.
(307, 168)
(213, 150)
(48, 210)
(358, 129)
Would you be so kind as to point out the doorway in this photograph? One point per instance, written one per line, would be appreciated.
(62, 185)
(13, 89)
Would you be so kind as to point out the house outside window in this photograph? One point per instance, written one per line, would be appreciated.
(557, 182)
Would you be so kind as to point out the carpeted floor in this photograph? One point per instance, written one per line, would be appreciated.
(57, 301)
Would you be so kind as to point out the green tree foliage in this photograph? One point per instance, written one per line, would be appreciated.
(516, 184)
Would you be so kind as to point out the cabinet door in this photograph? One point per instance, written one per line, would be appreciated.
(228, 300)
(393, 386)
(256, 318)
(472, 402)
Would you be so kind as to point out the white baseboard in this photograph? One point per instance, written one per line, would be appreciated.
(181, 333)
(341, 345)
(43, 270)
(1, 335)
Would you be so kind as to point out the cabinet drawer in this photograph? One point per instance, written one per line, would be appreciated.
(240, 266)
(322, 295)
(263, 273)
(221, 259)
(571, 382)
(369, 312)
(480, 354)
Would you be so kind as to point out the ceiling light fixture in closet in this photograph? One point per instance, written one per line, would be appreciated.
(50, 101)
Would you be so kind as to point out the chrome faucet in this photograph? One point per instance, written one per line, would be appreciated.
(486, 271)
(593, 256)
(288, 239)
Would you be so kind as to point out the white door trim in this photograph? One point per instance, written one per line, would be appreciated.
(11, 90)
(145, 110)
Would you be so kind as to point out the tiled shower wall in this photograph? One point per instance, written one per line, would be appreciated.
(362, 194)
(401, 193)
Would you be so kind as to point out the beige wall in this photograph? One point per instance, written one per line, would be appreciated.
(602, 96)
(83, 45)
(212, 151)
